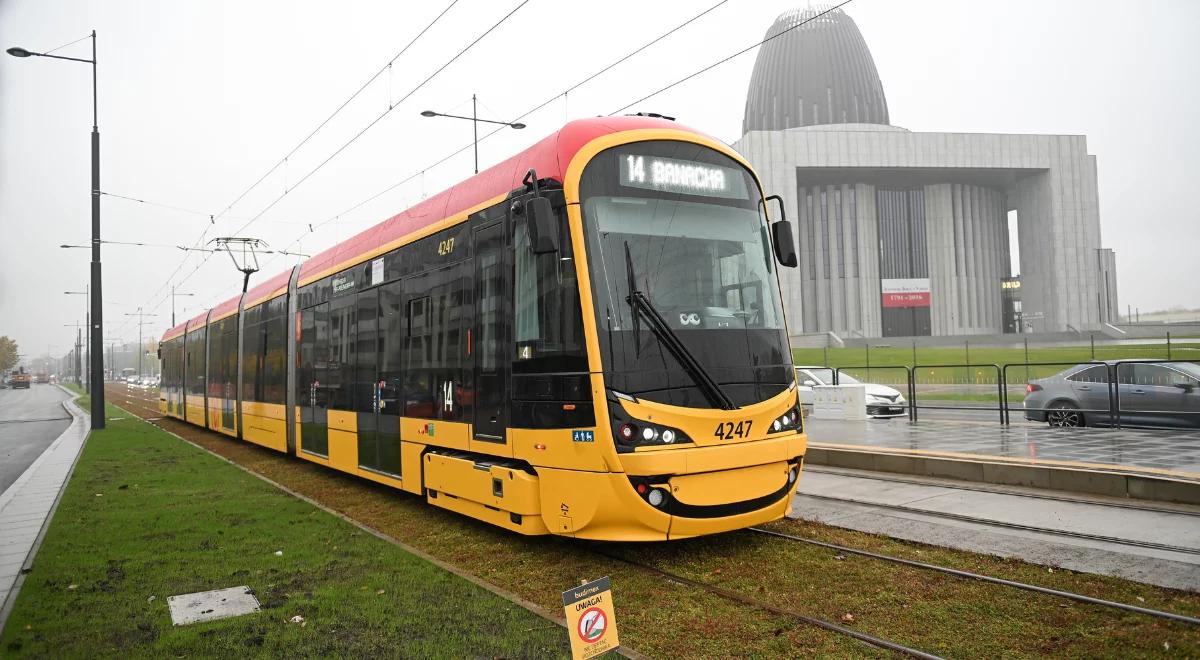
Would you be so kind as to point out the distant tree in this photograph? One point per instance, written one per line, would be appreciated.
(8, 353)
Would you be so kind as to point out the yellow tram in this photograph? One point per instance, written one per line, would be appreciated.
(587, 339)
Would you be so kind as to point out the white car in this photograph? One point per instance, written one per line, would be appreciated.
(882, 401)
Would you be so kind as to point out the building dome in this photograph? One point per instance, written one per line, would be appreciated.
(818, 73)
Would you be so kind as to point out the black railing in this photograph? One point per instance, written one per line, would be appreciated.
(908, 383)
(1116, 376)
(999, 387)
(1026, 366)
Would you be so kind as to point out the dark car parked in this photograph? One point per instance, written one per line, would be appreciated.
(1151, 394)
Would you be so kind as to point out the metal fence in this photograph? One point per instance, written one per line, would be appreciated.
(1075, 394)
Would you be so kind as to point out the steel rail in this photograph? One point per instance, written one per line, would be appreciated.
(872, 640)
(1182, 618)
(1008, 525)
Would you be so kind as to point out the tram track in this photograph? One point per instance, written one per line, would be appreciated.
(1002, 491)
(743, 599)
(1160, 614)
(138, 404)
(962, 517)
(143, 405)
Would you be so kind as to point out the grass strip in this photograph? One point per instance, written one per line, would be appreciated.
(146, 516)
(929, 611)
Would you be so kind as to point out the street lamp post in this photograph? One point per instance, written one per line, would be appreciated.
(173, 295)
(77, 351)
(96, 321)
(474, 119)
(87, 383)
(141, 348)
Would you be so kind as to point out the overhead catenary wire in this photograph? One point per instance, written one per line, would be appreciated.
(375, 121)
(385, 113)
(312, 227)
(300, 144)
(180, 209)
(339, 109)
(543, 104)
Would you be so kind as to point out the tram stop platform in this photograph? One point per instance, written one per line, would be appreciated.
(1148, 464)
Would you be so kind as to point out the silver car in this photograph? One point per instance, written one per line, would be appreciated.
(1151, 394)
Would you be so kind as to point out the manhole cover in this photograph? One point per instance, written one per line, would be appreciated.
(211, 605)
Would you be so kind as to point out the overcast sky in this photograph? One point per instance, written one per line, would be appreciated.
(200, 98)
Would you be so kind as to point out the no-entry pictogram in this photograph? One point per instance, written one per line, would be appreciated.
(591, 619)
(592, 624)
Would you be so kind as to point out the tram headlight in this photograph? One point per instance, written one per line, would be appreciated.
(656, 497)
(630, 434)
(788, 421)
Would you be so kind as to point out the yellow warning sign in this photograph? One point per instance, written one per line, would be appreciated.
(591, 619)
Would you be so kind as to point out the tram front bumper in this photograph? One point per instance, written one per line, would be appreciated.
(616, 506)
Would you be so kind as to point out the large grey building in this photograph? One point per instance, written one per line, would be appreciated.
(903, 233)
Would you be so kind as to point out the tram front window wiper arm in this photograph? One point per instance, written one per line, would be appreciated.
(666, 336)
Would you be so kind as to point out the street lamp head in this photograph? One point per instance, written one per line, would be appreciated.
(17, 51)
(517, 125)
(428, 113)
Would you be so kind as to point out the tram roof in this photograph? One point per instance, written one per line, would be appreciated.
(550, 156)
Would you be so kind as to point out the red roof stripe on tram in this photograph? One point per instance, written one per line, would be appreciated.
(550, 157)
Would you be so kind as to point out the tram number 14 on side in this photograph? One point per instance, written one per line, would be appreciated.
(729, 430)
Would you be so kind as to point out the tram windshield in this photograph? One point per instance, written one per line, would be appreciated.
(685, 223)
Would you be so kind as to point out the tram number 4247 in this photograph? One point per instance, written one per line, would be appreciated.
(729, 430)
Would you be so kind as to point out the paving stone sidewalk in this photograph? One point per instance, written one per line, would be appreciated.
(26, 506)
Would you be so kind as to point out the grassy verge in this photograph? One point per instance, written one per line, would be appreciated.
(146, 516)
(924, 610)
(882, 355)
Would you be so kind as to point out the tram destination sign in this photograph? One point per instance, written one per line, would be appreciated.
(591, 619)
(682, 176)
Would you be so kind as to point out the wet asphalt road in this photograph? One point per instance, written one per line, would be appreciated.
(29, 421)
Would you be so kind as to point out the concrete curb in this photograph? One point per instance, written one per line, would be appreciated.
(79, 418)
(1113, 483)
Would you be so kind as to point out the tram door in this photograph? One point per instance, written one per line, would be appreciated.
(312, 397)
(491, 358)
(378, 379)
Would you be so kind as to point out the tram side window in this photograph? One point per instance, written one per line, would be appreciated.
(252, 343)
(222, 358)
(548, 328)
(168, 367)
(434, 346)
(195, 362)
(214, 361)
(274, 357)
(172, 365)
(341, 358)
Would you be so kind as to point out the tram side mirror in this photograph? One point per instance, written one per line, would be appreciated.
(785, 244)
(781, 236)
(543, 225)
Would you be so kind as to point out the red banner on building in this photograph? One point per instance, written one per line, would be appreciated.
(912, 292)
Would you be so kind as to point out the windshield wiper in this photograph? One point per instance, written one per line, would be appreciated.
(642, 305)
